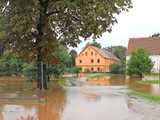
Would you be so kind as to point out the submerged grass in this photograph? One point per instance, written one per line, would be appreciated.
(149, 82)
(61, 82)
(93, 75)
(146, 96)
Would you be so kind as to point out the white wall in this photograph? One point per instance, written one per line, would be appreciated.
(156, 61)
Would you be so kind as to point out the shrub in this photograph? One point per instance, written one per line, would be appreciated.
(116, 69)
(139, 63)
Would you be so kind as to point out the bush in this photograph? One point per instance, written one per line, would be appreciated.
(116, 69)
(73, 70)
(10, 64)
(139, 63)
(29, 71)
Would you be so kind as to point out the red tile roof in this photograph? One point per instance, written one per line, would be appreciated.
(151, 45)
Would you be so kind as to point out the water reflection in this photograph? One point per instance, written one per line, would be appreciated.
(120, 80)
(153, 89)
(105, 105)
(102, 98)
(31, 105)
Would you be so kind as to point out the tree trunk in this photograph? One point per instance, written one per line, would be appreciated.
(44, 76)
(41, 24)
(41, 73)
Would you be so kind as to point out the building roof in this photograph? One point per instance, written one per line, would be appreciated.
(105, 53)
(150, 44)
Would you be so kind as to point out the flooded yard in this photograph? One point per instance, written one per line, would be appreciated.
(104, 100)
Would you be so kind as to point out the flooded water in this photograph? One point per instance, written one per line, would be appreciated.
(103, 100)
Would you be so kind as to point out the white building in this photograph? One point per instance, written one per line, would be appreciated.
(151, 45)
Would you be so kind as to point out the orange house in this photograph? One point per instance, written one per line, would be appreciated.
(93, 59)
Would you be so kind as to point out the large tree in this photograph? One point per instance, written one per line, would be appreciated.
(120, 53)
(156, 35)
(139, 63)
(35, 27)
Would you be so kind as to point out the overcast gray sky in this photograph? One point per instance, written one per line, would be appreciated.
(141, 21)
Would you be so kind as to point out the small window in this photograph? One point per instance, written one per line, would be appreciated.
(92, 53)
(98, 61)
(86, 53)
(92, 69)
(92, 61)
(98, 69)
(80, 61)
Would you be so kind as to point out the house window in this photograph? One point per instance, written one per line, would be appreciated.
(98, 61)
(92, 61)
(92, 69)
(86, 53)
(92, 53)
(80, 61)
(98, 69)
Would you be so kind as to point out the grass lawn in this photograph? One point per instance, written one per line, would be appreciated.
(146, 96)
(149, 82)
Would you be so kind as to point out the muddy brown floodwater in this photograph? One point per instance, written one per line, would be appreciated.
(103, 100)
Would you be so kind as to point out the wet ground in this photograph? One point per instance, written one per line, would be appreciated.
(103, 100)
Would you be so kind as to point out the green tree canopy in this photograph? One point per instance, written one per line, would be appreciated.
(156, 35)
(73, 55)
(36, 27)
(118, 51)
(10, 64)
(94, 43)
(34, 24)
(139, 63)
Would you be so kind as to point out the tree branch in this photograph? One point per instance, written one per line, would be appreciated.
(51, 13)
(41, 2)
(46, 1)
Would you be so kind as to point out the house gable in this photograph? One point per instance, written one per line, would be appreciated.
(87, 55)
(90, 58)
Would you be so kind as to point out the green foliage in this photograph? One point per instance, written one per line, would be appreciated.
(61, 82)
(36, 27)
(63, 59)
(72, 55)
(156, 35)
(95, 43)
(56, 70)
(73, 70)
(116, 69)
(41, 24)
(149, 82)
(10, 64)
(146, 96)
(29, 71)
(2, 32)
(139, 63)
(118, 51)
(94, 75)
